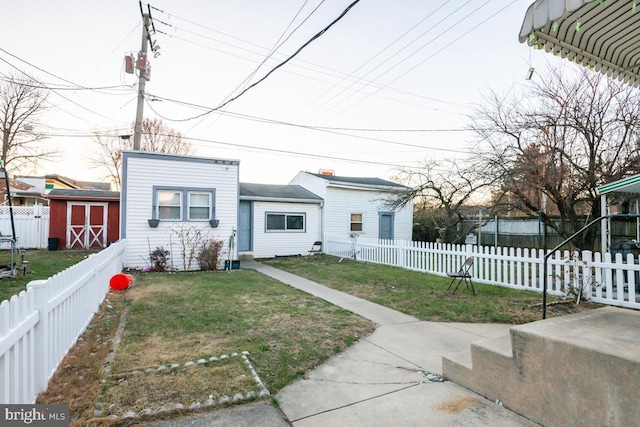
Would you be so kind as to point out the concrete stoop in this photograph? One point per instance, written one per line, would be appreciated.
(580, 369)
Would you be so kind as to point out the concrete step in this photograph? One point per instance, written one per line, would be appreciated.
(592, 356)
(457, 367)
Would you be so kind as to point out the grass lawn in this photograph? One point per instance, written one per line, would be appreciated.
(422, 295)
(42, 265)
(174, 318)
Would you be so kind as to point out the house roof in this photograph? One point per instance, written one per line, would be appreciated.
(67, 194)
(285, 193)
(361, 181)
(604, 36)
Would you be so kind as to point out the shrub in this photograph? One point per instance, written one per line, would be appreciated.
(159, 259)
(209, 256)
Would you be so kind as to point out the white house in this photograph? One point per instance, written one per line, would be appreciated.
(166, 200)
(164, 196)
(278, 220)
(359, 205)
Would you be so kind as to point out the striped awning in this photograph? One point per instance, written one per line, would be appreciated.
(627, 185)
(603, 35)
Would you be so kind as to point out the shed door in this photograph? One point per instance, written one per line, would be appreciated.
(86, 225)
(244, 228)
(385, 230)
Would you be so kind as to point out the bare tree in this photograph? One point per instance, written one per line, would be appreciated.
(441, 193)
(156, 137)
(550, 147)
(21, 102)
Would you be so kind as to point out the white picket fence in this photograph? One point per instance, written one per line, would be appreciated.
(39, 326)
(600, 279)
(31, 224)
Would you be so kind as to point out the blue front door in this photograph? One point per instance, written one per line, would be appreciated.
(385, 225)
(244, 227)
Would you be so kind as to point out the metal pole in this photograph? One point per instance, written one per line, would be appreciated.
(13, 225)
(552, 251)
(142, 80)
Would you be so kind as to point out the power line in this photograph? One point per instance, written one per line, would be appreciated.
(325, 129)
(430, 56)
(307, 43)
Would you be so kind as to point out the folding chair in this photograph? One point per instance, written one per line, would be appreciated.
(316, 248)
(464, 273)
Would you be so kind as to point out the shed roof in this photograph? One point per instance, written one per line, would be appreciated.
(290, 193)
(601, 35)
(63, 193)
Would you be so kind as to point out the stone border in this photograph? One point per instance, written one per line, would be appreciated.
(263, 393)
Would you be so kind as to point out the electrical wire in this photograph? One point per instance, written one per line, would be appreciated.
(326, 129)
(281, 64)
(432, 55)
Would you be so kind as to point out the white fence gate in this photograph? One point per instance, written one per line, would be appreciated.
(39, 326)
(602, 279)
(31, 224)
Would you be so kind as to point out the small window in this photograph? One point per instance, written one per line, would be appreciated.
(285, 222)
(356, 222)
(169, 204)
(199, 205)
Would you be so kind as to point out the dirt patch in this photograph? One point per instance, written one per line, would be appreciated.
(458, 405)
(133, 392)
(77, 380)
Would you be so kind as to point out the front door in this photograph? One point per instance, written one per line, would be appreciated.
(244, 227)
(385, 229)
(86, 225)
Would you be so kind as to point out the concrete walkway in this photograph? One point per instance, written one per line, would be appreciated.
(391, 377)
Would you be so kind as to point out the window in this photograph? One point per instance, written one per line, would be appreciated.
(199, 205)
(356, 222)
(184, 204)
(170, 204)
(285, 222)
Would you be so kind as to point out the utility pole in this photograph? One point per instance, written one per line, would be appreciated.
(142, 80)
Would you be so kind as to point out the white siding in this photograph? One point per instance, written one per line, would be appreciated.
(340, 203)
(145, 172)
(274, 243)
(316, 185)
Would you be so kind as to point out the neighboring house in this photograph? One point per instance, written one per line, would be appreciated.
(278, 220)
(33, 190)
(167, 200)
(83, 219)
(359, 205)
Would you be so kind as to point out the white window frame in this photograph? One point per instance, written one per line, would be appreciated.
(190, 205)
(352, 222)
(158, 206)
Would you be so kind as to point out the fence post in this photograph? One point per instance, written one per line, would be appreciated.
(41, 333)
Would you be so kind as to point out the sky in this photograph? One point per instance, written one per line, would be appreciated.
(388, 86)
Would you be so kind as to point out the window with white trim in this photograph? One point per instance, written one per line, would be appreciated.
(293, 222)
(169, 204)
(356, 222)
(183, 204)
(199, 205)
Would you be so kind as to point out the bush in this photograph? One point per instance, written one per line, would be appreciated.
(159, 259)
(209, 256)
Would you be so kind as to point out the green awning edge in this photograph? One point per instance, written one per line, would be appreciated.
(618, 185)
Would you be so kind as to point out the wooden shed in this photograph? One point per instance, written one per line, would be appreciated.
(83, 219)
